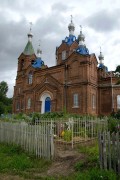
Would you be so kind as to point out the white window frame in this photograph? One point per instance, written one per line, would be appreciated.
(29, 103)
(30, 78)
(118, 102)
(18, 106)
(93, 101)
(75, 100)
(63, 55)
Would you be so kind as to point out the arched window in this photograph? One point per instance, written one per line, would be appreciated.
(93, 101)
(29, 103)
(32, 62)
(30, 78)
(22, 64)
(75, 100)
(118, 101)
(18, 106)
(63, 55)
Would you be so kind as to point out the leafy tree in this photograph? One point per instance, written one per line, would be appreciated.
(2, 108)
(3, 88)
(117, 69)
(5, 102)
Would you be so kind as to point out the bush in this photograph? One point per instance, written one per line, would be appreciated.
(116, 114)
(67, 135)
(112, 124)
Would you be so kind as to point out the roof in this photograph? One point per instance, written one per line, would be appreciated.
(38, 63)
(69, 40)
(82, 50)
(29, 49)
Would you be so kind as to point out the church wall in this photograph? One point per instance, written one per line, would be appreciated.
(75, 83)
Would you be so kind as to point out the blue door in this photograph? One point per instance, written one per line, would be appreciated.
(47, 104)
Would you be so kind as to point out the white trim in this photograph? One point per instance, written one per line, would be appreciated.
(42, 98)
(75, 100)
(118, 102)
(63, 55)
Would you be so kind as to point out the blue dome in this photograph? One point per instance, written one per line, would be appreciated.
(102, 66)
(69, 40)
(82, 50)
(38, 63)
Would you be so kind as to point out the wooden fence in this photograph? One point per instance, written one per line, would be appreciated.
(109, 151)
(39, 137)
(35, 139)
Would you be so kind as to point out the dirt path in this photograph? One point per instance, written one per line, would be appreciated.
(10, 177)
(63, 165)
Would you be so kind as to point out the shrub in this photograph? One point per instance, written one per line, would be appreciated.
(67, 135)
(112, 124)
(116, 114)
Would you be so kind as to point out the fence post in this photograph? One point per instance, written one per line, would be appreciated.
(51, 139)
(72, 123)
(118, 150)
(100, 143)
(109, 149)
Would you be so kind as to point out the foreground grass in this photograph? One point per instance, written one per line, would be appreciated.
(13, 160)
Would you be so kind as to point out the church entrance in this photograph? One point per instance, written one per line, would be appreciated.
(47, 104)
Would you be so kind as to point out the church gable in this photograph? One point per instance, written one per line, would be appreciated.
(47, 81)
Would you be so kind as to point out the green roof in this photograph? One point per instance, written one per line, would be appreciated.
(28, 49)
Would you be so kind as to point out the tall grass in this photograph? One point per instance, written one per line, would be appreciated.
(14, 159)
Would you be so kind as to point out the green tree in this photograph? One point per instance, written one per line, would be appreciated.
(5, 102)
(2, 108)
(3, 88)
(117, 69)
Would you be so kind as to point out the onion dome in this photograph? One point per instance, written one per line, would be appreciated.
(71, 27)
(81, 37)
(29, 50)
(101, 57)
(82, 47)
(30, 35)
(39, 52)
(71, 38)
(38, 63)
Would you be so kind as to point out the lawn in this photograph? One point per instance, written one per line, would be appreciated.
(18, 165)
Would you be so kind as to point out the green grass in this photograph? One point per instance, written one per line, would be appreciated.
(14, 160)
(92, 156)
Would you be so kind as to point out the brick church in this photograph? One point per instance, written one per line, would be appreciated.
(78, 82)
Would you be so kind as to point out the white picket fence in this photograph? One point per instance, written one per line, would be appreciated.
(35, 139)
(40, 137)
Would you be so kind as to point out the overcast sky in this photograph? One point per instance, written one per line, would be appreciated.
(100, 20)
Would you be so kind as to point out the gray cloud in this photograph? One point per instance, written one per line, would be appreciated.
(50, 26)
(13, 39)
(104, 21)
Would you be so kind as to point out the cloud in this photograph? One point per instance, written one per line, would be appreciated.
(50, 25)
(104, 21)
